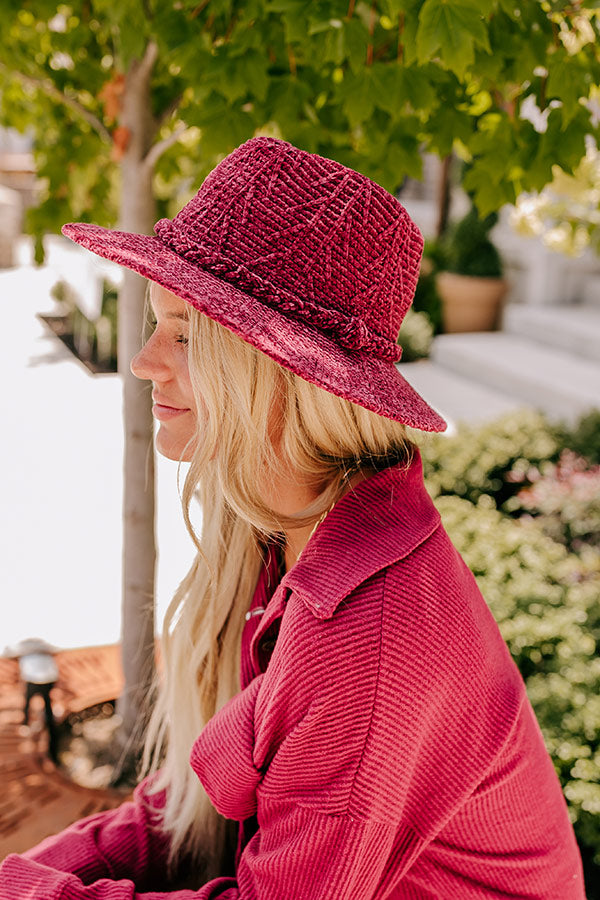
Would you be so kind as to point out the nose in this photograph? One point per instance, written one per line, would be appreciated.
(148, 363)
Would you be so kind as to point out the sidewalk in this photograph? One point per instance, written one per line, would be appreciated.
(61, 482)
(37, 800)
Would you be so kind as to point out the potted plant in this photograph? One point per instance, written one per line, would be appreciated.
(470, 283)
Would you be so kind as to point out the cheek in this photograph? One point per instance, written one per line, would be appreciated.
(194, 402)
(184, 381)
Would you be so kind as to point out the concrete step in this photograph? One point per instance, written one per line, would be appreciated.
(572, 328)
(457, 398)
(551, 380)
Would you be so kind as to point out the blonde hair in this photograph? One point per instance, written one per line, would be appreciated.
(247, 405)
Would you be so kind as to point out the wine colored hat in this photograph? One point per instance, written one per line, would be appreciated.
(307, 260)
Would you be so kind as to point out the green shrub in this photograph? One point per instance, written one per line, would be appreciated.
(476, 460)
(426, 297)
(415, 336)
(468, 249)
(547, 604)
(584, 437)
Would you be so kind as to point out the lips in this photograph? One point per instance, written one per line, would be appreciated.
(163, 410)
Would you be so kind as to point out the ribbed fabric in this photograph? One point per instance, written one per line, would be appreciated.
(268, 580)
(387, 749)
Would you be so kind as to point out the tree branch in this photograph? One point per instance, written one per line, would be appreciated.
(150, 56)
(199, 8)
(371, 32)
(50, 89)
(144, 67)
(169, 110)
(231, 26)
(157, 150)
(292, 60)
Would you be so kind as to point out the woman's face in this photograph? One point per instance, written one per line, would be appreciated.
(163, 361)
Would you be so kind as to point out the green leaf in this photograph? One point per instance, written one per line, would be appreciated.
(513, 54)
(359, 95)
(287, 6)
(285, 100)
(567, 82)
(419, 87)
(400, 85)
(394, 7)
(403, 155)
(568, 145)
(132, 30)
(233, 75)
(294, 15)
(488, 195)
(485, 8)
(447, 124)
(557, 146)
(329, 46)
(174, 30)
(453, 27)
(234, 127)
(409, 37)
(356, 39)
(511, 9)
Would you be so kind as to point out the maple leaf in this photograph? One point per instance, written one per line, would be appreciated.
(121, 137)
(111, 96)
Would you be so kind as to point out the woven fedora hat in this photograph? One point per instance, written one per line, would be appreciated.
(310, 262)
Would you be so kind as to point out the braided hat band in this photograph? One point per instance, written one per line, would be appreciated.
(311, 262)
(350, 331)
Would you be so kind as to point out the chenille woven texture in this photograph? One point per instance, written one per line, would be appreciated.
(308, 260)
(388, 748)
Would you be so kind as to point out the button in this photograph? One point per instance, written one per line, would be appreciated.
(258, 611)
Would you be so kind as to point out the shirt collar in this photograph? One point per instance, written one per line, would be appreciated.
(381, 521)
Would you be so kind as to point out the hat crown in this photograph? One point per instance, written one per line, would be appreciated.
(309, 231)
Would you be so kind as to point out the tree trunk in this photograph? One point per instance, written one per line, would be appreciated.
(443, 196)
(138, 214)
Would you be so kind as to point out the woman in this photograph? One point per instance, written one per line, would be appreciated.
(330, 663)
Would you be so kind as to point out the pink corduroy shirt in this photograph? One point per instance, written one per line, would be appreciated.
(384, 748)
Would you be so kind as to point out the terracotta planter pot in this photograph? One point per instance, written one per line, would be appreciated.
(470, 303)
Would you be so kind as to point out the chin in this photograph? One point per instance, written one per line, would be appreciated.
(177, 450)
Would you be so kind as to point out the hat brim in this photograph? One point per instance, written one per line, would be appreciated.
(362, 378)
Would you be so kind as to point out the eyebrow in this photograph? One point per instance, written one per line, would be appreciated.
(181, 317)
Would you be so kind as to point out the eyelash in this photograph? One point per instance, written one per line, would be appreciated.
(180, 339)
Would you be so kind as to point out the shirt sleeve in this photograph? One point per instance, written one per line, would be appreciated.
(288, 860)
(126, 841)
